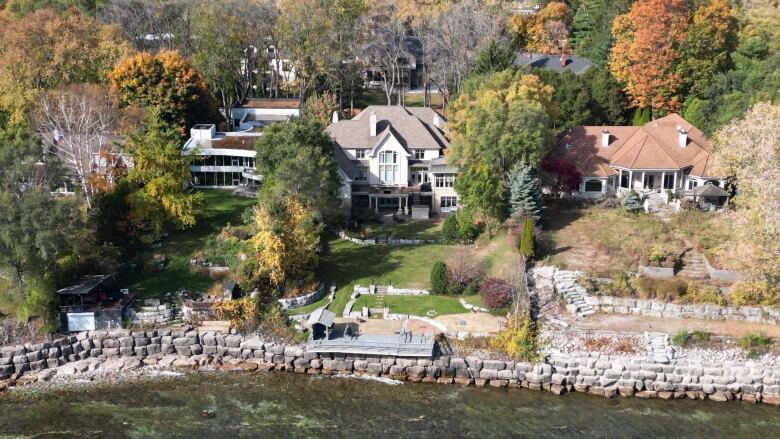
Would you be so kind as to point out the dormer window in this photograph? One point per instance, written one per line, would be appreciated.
(360, 154)
(419, 154)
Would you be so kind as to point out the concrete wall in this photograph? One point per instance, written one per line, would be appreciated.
(582, 372)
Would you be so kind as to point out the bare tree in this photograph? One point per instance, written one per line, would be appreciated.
(464, 266)
(455, 37)
(153, 24)
(77, 125)
(382, 44)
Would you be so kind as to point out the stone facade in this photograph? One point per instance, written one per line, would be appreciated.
(592, 373)
(655, 308)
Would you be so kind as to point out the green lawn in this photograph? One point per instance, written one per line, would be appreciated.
(475, 299)
(378, 97)
(418, 229)
(415, 305)
(347, 264)
(219, 209)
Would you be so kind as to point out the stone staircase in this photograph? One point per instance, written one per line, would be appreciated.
(693, 266)
(658, 348)
(573, 293)
(659, 207)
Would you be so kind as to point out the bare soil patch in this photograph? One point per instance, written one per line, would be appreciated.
(633, 323)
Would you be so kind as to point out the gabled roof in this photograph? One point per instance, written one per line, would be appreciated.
(574, 64)
(322, 316)
(414, 128)
(654, 145)
(382, 137)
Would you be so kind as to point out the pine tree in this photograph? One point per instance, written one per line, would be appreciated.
(439, 278)
(526, 245)
(524, 195)
(631, 202)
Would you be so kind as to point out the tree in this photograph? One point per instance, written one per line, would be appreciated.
(162, 175)
(524, 196)
(464, 269)
(645, 55)
(631, 202)
(565, 176)
(710, 39)
(168, 82)
(383, 45)
(21, 8)
(321, 107)
(43, 50)
(498, 121)
(449, 230)
(495, 57)
(285, 243)
(591, 28)
(749, 149)
(80, 125)
(439, 278)
(526, 241)
(296, 160)
(548, 30)
(495, 292)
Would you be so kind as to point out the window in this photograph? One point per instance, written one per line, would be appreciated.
(234, 161)
(669, 181)
(360, 153)
(692, 184)
(389, 171)
(448, 202)
(361, 173)
(445, 180)
(593, 186)
(624, 180)
(419, 154)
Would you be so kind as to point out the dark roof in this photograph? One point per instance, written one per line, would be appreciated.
(574, 64)
(85, 285)
(710, 190)
(414, 128)
(439, 166)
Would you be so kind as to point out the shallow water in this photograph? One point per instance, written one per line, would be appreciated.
(288, 405)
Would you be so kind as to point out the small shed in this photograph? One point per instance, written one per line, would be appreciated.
(709, 193)
(321, 323)
(92, 303)
(230, 290)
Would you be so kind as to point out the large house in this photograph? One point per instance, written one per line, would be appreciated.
(392, 157)
(664, 154)
(227, 159)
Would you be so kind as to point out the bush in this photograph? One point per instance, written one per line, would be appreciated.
(668, 290)
(242, 313)
(449, 230)
(463, 269)
(439, 278)
(631, 202)
(754, 340)
(700, 336)
(700, 293)
(526, 243)
(763, 293)
(495, 292)
(621, 286)
(680, 338)
(658, 255)
(520, 343)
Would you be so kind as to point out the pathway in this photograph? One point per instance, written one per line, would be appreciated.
(573, 293)
(693, 266)
(658, 348)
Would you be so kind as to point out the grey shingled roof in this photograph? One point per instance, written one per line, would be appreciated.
(86, 285)
(439, 166)
(322, 316)
(413, 128)
(574, 64)
(710, 190)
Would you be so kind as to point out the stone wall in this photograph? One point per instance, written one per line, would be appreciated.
(152, 315)
(721, 275)
(655, 308)
(592, 373)
(657, 272)
(390, 241)
(297, 302)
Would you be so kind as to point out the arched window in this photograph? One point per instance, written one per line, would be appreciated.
(593, 186)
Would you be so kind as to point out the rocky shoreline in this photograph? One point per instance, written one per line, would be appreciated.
(110, 355)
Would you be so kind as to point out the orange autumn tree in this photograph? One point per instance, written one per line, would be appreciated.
(547, 31)
(645, 54)
(167, 81)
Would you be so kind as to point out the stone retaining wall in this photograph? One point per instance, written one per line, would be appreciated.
(390, 241)
(152, 315)
(721, 275)
(655, 308)
(592, 373)
(657, 272)
(297, 302)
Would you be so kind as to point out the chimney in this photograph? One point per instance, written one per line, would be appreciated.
(372, 122)
(436, 120)
(563, 59)
(682, 136)
(335, 118)
(604, 138)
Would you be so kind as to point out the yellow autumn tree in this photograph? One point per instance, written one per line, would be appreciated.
(285, 243)
(547, 31)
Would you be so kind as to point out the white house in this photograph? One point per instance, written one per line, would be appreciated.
(665, 154)
(392, 157)
(227, 159)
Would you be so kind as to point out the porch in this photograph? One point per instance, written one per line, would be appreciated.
(647, 182)
(402, 199)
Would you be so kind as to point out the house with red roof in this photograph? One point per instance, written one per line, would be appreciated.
(666, 154)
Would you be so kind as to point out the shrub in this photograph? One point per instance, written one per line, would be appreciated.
(520, 343)
(631, 202)
(700, 293)
(680, 338)
(621, 286)
(526, 244)
(467, 229)
(449, 230)
(763, 293)
(700, 336)
(463, 269)
(439, 278)
(754, 340)
(495, 292)
(242, 313)
(661, 289)
(658, 255)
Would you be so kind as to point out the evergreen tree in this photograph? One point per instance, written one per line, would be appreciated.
(524, 196)
(495, 57)
(449, 230)
(631, 202)
(439, 278)
(526, 244)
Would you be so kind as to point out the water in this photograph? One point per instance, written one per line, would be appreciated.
(286, 405)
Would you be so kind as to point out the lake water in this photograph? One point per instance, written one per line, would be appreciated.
(272, 405)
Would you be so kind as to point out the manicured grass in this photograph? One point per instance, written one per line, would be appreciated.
(219, 209)
(418, 229)
(347, 264)
(475, 299)
(378, 97)
(415, 305)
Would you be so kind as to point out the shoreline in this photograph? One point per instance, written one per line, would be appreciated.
(188, 350)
